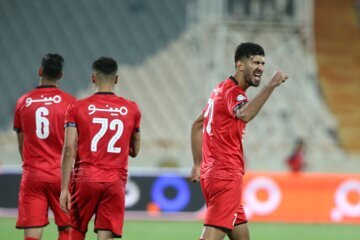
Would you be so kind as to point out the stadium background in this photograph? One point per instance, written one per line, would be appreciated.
(171, 53)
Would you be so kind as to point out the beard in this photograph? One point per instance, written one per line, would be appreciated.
(251, 80)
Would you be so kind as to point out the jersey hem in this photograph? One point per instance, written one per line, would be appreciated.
(237, 224)
(26, 227)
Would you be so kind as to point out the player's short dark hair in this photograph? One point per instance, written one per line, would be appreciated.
(248, 49)
(52, 65)
(105, 65)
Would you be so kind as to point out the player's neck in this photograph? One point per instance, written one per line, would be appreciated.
(241, 81)
(47, 82)
(105, 88)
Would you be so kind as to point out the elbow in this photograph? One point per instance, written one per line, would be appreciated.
(68, 152)
(67, 149)
(196, 126)
(193, 126)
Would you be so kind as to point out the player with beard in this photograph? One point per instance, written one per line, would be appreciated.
(216, 142)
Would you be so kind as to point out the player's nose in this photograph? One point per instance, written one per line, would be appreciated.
(261, 67)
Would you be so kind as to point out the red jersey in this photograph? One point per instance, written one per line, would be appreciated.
(222, 149)
(40, 115)
(105, 123)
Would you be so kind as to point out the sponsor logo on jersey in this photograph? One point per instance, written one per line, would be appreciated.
(45, 100)
(113, 111)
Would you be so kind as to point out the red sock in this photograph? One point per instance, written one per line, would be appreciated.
(64, 234)
(76, 235)
(31, 238)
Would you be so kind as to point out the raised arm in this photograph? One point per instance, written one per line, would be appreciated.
(252, 108)
(196, 145)
(67, 162)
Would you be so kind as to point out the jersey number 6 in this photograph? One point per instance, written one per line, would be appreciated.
(42, 123)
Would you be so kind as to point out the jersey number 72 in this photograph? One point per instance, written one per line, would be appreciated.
(115, 124)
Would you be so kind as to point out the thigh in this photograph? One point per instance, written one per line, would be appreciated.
(33, 233)
(62, 219)
(84, 199)
(223, 200)
(240, 232)
(111, 208)
(33, 205)
(212, 233)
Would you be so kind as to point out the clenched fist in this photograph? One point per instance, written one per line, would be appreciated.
(278, 78)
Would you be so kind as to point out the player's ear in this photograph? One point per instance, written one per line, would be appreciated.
(116, 79)
(93, 78)
(239, 66)
(60, 75)
(40, 72)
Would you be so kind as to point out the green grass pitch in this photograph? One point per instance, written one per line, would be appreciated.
(160, 230)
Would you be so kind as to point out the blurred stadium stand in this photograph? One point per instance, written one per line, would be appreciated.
(338, 54)
(171, 55)
(131, 31)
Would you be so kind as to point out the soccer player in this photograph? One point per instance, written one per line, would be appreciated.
(101, 132)
(39, 123)
(216, 142)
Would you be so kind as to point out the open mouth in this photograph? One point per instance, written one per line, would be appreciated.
(257, 75)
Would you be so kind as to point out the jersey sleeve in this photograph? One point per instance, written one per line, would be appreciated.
(70, 116)
(235, 99)
(17, 120)
(137, 119)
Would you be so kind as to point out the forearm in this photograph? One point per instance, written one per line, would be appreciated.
(66, 166)
(20, 139)
(196, 143)
(252, 108)
(134, 145)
